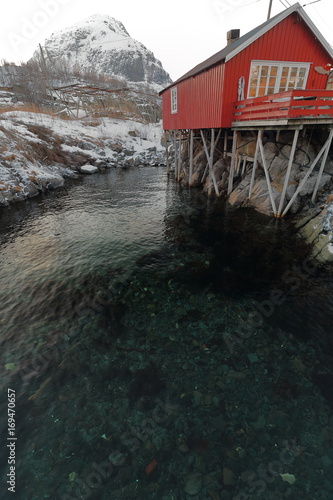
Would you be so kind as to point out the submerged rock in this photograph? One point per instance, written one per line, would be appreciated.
(146, 384)
(193, 483)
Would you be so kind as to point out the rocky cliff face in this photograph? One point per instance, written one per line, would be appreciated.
(101, 44)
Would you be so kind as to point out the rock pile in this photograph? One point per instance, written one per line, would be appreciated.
(315, 222)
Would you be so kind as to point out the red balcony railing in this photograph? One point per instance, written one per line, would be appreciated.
(305, 104)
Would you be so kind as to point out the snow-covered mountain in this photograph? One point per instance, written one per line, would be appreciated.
(101, 44)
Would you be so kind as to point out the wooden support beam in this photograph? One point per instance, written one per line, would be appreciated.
(207, 156)
(211, 161)
(179, 157)
(225, 144)
(191, 158)
(167, 138)
(287, 176)
(255, 163)
(210, 158)
(305, 178)
(243, 166)
(175, 153)
(267, 175)
(323, 163)
(237, 164)
(233, 161)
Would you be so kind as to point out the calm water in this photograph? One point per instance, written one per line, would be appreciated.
(161, 345)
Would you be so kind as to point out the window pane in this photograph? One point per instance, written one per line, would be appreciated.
(261, 91)
(254, 71)
(274, 70)
(264, 70)
(263, 81)
(253, 91)
(300, 83)
(293, 72)
(272, 81)
(283, 85)
(285, 71)
(270, 90)
(302, 72)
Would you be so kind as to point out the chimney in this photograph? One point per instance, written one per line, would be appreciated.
(232, 35)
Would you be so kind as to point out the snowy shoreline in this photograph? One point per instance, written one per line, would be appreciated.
(39, 151)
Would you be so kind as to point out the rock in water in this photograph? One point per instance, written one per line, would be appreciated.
(193, 483)
(88, 169)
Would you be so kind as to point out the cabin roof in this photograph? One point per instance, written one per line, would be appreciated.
(244, 41)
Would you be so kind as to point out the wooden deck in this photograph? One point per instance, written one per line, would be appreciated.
(293, 108)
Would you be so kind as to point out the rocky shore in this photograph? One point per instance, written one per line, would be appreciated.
(313, 221)
(39, 151)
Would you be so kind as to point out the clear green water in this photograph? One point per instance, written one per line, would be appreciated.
(161, 346)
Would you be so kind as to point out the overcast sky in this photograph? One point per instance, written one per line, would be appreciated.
(181, 33)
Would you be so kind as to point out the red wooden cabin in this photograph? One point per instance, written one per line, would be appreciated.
(286, 58)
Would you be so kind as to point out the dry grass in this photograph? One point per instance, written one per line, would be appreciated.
(32, 108)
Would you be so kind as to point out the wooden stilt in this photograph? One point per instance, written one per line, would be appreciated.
(314, 163)
(225, 144)
(287, 176)
(167, 138)
(322, 166)
(210, 158)
(175, 153)
(238, 160)
(243, 166)
(191, 158)
(267, 175)
(212, 144)
(204, 174)
(233, 161)
(255, 163)
(179, 156)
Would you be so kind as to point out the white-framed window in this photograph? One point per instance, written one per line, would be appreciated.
(271, 77)
(174, 101)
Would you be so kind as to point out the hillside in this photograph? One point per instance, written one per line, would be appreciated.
(101, 44)
(38, 151)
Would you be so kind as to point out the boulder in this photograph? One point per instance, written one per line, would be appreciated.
(88, 169)
(309, 185)
(196, 179)
(270, 151)
(260, 199)
(240, 194)
(318, 231)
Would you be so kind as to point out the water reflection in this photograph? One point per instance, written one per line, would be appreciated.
(128, 329)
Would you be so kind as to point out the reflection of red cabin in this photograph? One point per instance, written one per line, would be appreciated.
(286, 55)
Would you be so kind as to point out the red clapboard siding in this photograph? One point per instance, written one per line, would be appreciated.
(291, 40)
(207, 99)
(199, 101)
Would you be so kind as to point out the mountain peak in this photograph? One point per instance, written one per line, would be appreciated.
(102, 45)
(105, 21)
